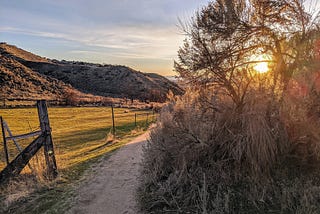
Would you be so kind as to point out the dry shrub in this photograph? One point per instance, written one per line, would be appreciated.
(301, 114)
(15, 191)
(205, 156)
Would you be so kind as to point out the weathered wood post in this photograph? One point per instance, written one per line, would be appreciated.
(48, 144)
(5, 147)
(113, 123)
(135, 119)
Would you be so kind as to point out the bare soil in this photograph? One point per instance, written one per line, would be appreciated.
(111, 186)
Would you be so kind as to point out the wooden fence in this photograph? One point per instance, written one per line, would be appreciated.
(44, 138)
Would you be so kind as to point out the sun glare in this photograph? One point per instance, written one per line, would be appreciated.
(261, 67)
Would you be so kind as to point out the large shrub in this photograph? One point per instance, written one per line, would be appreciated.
(240, 141)
(206, 157)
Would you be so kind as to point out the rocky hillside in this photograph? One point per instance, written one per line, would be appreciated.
(21, 83)
(103, 80)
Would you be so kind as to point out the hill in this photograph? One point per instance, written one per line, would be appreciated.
(19, 82)
(103, 80)
(20, 85)
(18, 53)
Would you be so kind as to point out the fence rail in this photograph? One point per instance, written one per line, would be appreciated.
(24, 136)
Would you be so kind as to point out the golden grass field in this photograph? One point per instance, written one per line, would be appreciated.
(80, 137)
(79, 134)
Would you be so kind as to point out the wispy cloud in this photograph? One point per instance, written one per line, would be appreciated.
(129, 42)
(141, 33)
(32, 33)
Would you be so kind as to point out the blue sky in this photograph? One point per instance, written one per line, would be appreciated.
(142, 34)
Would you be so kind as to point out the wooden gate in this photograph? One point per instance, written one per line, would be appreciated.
(44, 139)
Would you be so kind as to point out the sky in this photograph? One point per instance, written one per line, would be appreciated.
(142, 34)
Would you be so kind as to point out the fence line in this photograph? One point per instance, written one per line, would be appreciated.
(44, 139)
(113, 117)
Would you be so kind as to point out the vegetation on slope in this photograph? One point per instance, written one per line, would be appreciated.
(20, 82)
(18, 53)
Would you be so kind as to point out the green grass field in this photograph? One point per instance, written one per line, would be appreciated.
(80, 137)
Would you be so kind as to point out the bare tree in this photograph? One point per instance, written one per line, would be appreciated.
(222, 38)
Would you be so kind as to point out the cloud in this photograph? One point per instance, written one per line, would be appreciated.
(125, 42)
(33, 33)
(126, 31)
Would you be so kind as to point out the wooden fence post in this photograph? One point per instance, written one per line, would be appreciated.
(135, 119)
(5, 147)
(48, 144)
(113, 124)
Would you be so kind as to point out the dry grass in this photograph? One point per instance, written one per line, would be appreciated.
(207, 157)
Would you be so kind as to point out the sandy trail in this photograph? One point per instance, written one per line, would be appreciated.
(111, 187)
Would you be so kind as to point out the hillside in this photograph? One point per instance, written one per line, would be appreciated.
(103, 80)
(19, 53)
(20, 82)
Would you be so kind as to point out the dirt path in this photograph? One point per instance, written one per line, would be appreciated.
(112, 185)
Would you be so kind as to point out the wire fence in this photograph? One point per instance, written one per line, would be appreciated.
(148, 118)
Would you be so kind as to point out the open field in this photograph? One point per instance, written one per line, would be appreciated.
(80, 136)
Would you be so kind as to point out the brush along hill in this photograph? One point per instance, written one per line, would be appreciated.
(18, 82)
(103, 80)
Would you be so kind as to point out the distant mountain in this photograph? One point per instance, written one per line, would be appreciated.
(103, 80)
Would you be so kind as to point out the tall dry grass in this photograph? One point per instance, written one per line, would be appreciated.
(205, 156)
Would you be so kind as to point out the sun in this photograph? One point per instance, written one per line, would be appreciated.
(260, 65)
